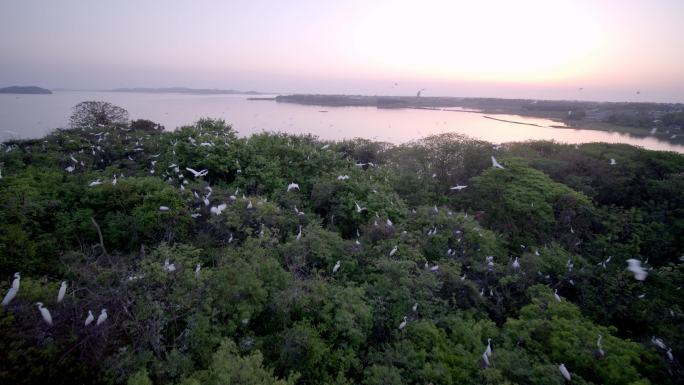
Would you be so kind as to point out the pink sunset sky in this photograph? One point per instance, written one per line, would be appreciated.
(520, 49)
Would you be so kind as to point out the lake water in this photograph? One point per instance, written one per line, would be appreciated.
(31, 116)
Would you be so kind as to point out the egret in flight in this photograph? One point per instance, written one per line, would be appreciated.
(196, 173)
(496, 164)
(359, 208)
(45, 313)
(217, 210)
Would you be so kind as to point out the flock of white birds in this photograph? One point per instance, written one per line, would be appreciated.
(633, 265)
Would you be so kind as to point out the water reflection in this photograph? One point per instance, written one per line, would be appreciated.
(34, 115)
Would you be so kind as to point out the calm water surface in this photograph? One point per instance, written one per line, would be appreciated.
(30, 116)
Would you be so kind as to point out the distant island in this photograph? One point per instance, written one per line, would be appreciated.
(24, 90)
(185, 90)
(662, 120)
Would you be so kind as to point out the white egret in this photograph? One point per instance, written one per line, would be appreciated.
(11, 293)
(488, 350)
(198, 267)
(336, 267)
(70, 169)
(658, 342)
(325, 147)
(555, 295)
(250, 206)
(217, 210)
(45, 313)
(516, 264)
(89, 319)
(163, 208)
(496, 164)
(415, 307)
(634, 265)
(564, 371)
(669, 354)
(612, 162)
(599, 345)
(434, 268)
(293, 186)
(102, 317)
(299, 234)
(95, 183)
(114, 180)
(196, 173)
(485, 359)
(16, 281)
(170, 267)
(393, 251)
(458, 187)
(343, 177)
(62, 292)
(359, 208)
(389, 223)
(403, 323)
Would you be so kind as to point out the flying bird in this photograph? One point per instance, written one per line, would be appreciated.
(196, 173)
(217, 210)
(359, 208)
(496, 164)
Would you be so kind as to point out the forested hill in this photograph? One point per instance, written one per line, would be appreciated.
(378, 267)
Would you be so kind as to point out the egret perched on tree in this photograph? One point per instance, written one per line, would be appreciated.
(564, 371)
(555, 294)
(485, 359)
(196, 173)
(516, 264)
(198, 267)
(599, 345)
(45, 313)
(299, 234)
(293, 186)
(12, 292)
(89, 319)
(393, 251)
(359, 208)
(434, 268)
(389, 223)
(415, 307)
(612, 162)
(69, 169)
(634, 265)
(458, 187)
(336, 267)
(102, 318)
(658, 342)
(96, 182)
(62, 291)
(403, 323)
(250, 205)
(343, 177)
(170, 267)
(163, 208)
(496, 164)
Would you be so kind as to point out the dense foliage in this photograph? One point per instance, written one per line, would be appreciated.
(265, 305)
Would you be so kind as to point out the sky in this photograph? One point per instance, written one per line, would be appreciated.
(492, 48)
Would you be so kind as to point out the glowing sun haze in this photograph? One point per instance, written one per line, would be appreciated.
(497, 48)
